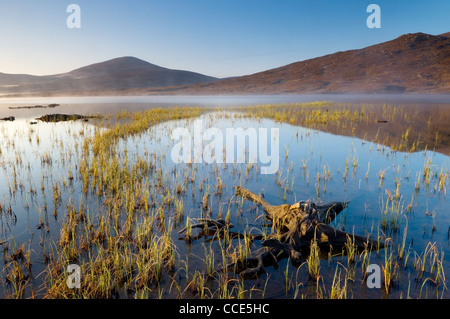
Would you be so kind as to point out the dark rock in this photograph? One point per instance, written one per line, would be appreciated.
(9, 118)
(64, 117)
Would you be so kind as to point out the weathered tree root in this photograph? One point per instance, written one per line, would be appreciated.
(214, 228)
(296, 226)
(210, 224)
(252, 267)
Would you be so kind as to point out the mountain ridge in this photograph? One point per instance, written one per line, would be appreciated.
(123, 73)
(121, 64)
(410, 63)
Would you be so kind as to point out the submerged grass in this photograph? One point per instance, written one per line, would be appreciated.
(121, 230)
(130, 246)
(397, 127)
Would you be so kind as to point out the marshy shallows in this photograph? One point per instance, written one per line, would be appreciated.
(105, 195)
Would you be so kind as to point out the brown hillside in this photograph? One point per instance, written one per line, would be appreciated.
(411, 63)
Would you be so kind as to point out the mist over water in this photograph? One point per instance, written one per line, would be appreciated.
(111, 104)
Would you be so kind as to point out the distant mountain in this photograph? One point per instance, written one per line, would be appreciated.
(411, 63)
(125, 73)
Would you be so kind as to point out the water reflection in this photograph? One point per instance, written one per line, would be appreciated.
(39, 160)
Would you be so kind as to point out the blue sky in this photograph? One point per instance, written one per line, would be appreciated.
(219, 38)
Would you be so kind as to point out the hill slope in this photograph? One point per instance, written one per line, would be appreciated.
(411, 63)
(117, 74)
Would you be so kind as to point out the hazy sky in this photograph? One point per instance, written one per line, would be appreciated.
(219, 38)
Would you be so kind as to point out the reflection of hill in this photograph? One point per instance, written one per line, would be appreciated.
(412, 127)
